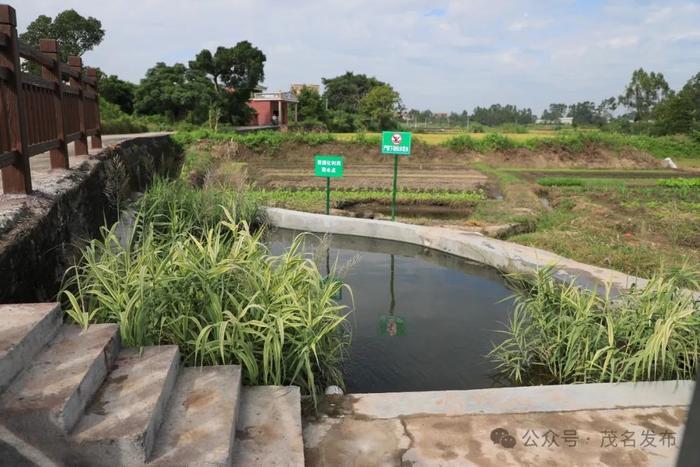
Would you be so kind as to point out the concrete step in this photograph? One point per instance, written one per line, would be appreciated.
(24, 330)
(62, 379)
(120, 425)
(200, 426)
(269, 429)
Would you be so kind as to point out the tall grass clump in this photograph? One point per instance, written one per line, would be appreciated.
(195, 274)
(561, 334)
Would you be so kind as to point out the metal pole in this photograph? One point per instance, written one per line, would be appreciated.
(393, 195)
(328, 195)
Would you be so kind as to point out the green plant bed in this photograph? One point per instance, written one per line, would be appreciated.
(193, 273)
(561, 334)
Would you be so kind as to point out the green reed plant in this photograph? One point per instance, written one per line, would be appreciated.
(203, 280)
(560, 333)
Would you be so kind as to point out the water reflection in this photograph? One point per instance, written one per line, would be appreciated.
(454, 308)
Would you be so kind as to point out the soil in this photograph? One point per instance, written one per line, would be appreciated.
(429, 166)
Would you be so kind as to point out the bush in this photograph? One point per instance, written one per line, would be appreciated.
(193, 273)
(114, 121)
(462, 143)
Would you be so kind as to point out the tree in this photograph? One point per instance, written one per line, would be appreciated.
(498, 114)
(585, 113)
(235, 72)
(175, 92)
(644, 92)
(311, 106)
(344, 92)
(74, 33)
(680, 113)
(117, 91)
(379, 108)
(554, 112)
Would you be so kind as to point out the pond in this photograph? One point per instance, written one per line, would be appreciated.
(422, 320)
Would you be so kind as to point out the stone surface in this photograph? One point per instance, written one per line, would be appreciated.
(269, 429)
(616, 437)
(505, 256)
(199, 427)
(63, 378)
(120, 425)
(587, 423)
(24, 331)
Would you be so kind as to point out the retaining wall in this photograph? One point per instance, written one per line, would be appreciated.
(41, 234)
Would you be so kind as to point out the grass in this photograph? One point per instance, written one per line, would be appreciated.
(562, 334)
(192, 272)
(570, 181)
(638, 230)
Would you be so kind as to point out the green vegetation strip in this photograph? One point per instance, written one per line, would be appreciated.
(193, 273)
(573, 142)
(314, 197)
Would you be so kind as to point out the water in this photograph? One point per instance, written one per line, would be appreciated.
(423, 320)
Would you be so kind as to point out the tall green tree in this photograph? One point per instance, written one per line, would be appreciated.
(75, 33)
(311, 106)
(175, 92)
(117, 91)
(554, 112)
(644, 92)
(680, 113)
(380, 107)
(345, 92)
(234, 72)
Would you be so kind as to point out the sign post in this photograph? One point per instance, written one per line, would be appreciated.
(328, 167)
(396, 143)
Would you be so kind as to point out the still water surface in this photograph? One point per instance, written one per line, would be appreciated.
(422, 320)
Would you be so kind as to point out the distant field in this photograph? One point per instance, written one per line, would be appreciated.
(438, 138)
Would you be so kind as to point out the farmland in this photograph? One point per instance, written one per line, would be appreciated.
(594, 197)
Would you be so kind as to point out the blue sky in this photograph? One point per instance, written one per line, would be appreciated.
(445, 55)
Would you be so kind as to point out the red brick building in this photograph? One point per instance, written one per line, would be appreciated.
(273, 108)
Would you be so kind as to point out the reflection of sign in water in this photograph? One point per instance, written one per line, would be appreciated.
(392, 326)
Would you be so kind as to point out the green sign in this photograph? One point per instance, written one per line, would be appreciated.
(328, 166)
(396, 143)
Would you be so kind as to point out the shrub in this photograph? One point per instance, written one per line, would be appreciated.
(462, 143)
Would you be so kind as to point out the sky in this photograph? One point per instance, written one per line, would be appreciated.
(440, 55)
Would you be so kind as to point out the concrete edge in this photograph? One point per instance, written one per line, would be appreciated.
(559, 398)
(505, 256)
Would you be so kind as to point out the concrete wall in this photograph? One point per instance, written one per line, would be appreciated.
(40, 235)
(505, 256)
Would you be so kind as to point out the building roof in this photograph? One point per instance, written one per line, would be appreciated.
(275, 96)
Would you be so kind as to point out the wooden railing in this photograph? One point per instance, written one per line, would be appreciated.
(39, 114)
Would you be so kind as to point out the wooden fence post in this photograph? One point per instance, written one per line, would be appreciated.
(16, 178)
(59, 156)
(96, 141)
(76, 64)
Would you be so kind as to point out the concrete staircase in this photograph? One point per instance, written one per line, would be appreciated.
(75, 397)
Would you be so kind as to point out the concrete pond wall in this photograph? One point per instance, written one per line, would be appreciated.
(41, 234)
(505, 256)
